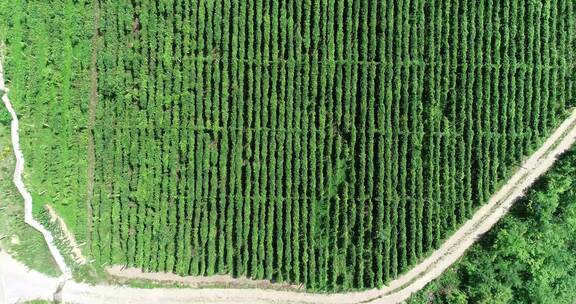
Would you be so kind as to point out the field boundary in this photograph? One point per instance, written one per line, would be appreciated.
(67, 235)
(489, 214)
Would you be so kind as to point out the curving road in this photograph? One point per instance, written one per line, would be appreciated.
(23, 283)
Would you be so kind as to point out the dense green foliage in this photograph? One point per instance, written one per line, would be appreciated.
(47, 65)
(329, 143)
(17, 238)
(332, 143)
(529, 257)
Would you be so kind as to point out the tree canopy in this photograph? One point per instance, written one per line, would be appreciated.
(529, 257)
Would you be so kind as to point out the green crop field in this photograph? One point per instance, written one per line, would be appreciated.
(329, 143)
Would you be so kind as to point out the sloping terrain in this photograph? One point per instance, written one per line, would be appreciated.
(46, 67)
(330, 143)
(327, 143)
(396, 292)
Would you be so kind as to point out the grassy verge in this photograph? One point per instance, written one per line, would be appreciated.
(47, 66)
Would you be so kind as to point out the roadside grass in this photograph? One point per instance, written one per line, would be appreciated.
(18, 239)
(151, 284)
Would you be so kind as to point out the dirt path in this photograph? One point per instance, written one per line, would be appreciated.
(3, 296)
(198, 281)
(28, 218)
(486, 217)
(91, 160)
(79, 258)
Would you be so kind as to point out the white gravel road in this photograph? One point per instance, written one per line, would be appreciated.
(22, 284)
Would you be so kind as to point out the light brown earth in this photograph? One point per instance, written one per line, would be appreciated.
(91, 159)
(79, 258)
(222, 280)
